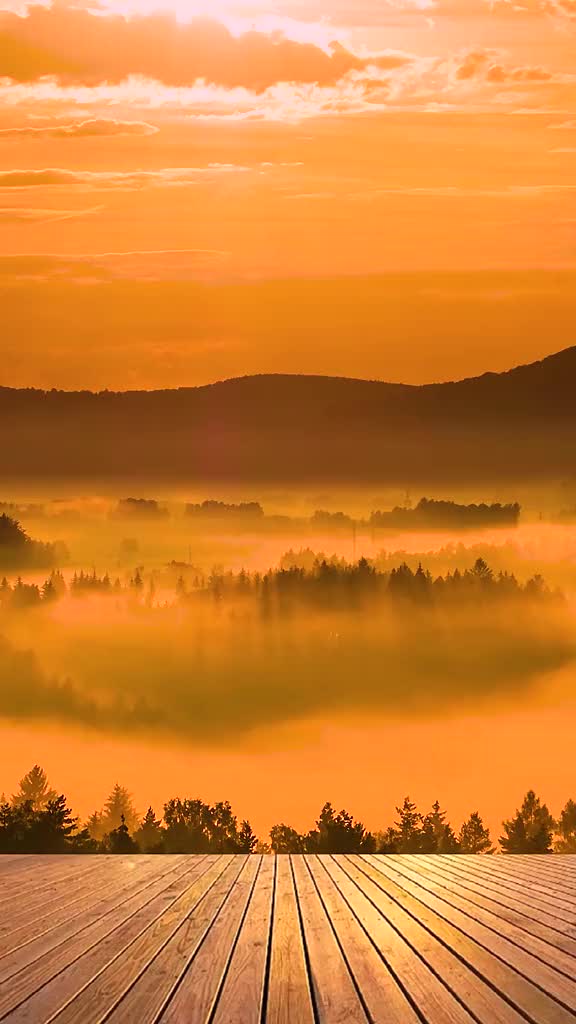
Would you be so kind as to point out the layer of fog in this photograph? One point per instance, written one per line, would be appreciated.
(218, 675)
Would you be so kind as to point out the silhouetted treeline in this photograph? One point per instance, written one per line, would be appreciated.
(220, 510)
(336, 584)
(328, 585)
(531, 829)
(139, 508)
(432, 514)
(19, 551)
(38, 820)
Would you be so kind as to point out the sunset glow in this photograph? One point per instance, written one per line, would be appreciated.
(359, 139)
(287, 461)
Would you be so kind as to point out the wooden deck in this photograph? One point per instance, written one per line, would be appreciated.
(288, 940)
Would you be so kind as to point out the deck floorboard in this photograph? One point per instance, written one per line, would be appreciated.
(220, 939)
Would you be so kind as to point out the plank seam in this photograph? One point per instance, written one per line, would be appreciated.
(94, 944)
(489, 928)
(352, 976)
(466, 963)
(266, 986)
(315, 1010)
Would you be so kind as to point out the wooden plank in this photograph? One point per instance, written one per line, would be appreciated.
(426, 972)
(47, 985)
(288, 940)
(14, 864)
(241, 998)
(527, 871)
(335, 995)
(104, 989)
(506, 889)
(526, 916)
(15, 873)
(495, 960)
(31, 926)
(191, 949)
(289, 997)
(196, 991)
(385, 1000)
(45, 878)
(17, 910)
(49, 939)
(488, 922)
(563, 866)
(36, 895)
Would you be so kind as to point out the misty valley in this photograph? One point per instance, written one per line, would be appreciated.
(183, 633)
(287, 512)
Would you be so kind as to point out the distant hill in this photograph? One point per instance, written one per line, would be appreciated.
(519, 424)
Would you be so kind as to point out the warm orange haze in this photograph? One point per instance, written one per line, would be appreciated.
(192, 191)
(287, 418)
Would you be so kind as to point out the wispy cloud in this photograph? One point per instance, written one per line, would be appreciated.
(142, 265)
(17, 215)
(100, 127)
(120, 181)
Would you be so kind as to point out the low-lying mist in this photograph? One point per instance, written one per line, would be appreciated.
(141, 633)
(212, 669)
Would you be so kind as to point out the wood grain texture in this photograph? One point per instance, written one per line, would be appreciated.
(288, 940)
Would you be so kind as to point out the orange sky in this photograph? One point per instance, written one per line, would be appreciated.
(151, 150)
(471, 761)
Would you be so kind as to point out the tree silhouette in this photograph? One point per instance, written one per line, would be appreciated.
(247, 841)
(33, 788)
(338, 833)
(119, 806)
(150, 835)
(406, 835)
(566, 828)
(474, 837)
(51, 829)
(18, 550)
(119, 839)
(285, 839)
(437, 836)
(56, 830)
(482, 571)
(95, 826)
(44, 823)
(530, 830)
(193, 826)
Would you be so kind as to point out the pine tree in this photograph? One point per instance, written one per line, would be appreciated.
(247, 841)
(119, 805)
(566, 830)
(474, 837)
(437, 835)
(33, 788)
(406, 835)
(338, 833)
(119, 839)
(530, 830)
(150, 834)
(95, 826)
(49, 591)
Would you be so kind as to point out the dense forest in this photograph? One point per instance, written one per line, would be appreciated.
(36, 819)
(328, 584)
(447, 515)
(19, 551)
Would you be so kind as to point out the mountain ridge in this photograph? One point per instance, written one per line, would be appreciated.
(568, 354)
(283, 427)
